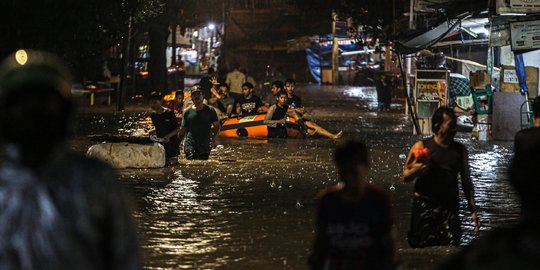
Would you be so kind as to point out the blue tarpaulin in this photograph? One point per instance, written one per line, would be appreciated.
(316, 52)
(520, 71)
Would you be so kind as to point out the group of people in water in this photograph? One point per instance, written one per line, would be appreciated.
(199, 116)
(61, 210)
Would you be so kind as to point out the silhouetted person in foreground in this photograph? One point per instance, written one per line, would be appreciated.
(58, 210)
(516, 246)
(355, 224)
(433, 164)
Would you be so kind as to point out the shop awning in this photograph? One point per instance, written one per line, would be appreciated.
(428, 38)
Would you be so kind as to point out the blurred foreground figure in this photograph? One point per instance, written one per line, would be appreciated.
(355, 224)
(58, 210)
(516, 246)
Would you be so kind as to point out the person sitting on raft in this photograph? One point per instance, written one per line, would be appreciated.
(225, 101)
(249, 103)
(296, 111)
(270, 98)
(214, 103)
(276, 117)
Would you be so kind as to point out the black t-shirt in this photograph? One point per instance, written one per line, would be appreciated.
(440, 183)
(206, 85)
(278, 113)
(199, 128)
(353, 232)
(250, 106)
(295, 101)
(164, 122)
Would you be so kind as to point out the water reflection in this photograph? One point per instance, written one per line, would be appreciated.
(251, 205)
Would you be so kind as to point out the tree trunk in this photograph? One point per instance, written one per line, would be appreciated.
(157, 63)
(122, 89)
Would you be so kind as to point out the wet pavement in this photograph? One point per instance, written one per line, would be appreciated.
(251, 205)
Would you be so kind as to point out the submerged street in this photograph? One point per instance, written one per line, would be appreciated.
(251, 206)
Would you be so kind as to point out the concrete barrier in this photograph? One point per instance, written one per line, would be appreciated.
(129, 155)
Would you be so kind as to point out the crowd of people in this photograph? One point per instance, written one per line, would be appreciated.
(199, 116)
(60, 210)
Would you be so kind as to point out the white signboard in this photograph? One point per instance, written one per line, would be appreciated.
(517, 6)
(525, 35)
(510, 76)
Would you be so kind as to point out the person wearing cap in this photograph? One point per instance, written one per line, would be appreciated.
(200, 127)
(59, 210)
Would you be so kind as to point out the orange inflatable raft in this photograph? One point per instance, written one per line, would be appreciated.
(253, 127)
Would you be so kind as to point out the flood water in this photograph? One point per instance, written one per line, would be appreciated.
(251, 206)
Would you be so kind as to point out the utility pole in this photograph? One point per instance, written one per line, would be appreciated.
(174, 26)
(335, 63)
(409, 61)
(122, 89)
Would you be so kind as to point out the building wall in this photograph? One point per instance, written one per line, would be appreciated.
(256, 38)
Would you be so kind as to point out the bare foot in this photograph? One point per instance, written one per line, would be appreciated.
(338, 135)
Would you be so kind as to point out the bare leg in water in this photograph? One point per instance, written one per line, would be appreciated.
(320, 130)
(313, 128)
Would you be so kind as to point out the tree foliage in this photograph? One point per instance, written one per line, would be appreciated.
(78, 31)
(374, 17)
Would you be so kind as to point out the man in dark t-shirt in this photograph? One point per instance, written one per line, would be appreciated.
(276, 117)
(435, 210)
(294, 101)
(200, 126)
(166, 127)
(248, 104)
(514, 246)
(354, 222)
(225, 102)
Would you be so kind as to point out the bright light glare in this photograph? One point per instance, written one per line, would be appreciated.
(211, 26)
(21, 57)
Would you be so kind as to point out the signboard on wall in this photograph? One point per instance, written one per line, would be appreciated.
(517, 6)
(525, 35)
(510, 76)
(431, 91)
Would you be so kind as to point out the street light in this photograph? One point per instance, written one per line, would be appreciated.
(211, 26)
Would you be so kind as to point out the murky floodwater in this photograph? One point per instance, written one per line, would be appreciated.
(251, 205)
